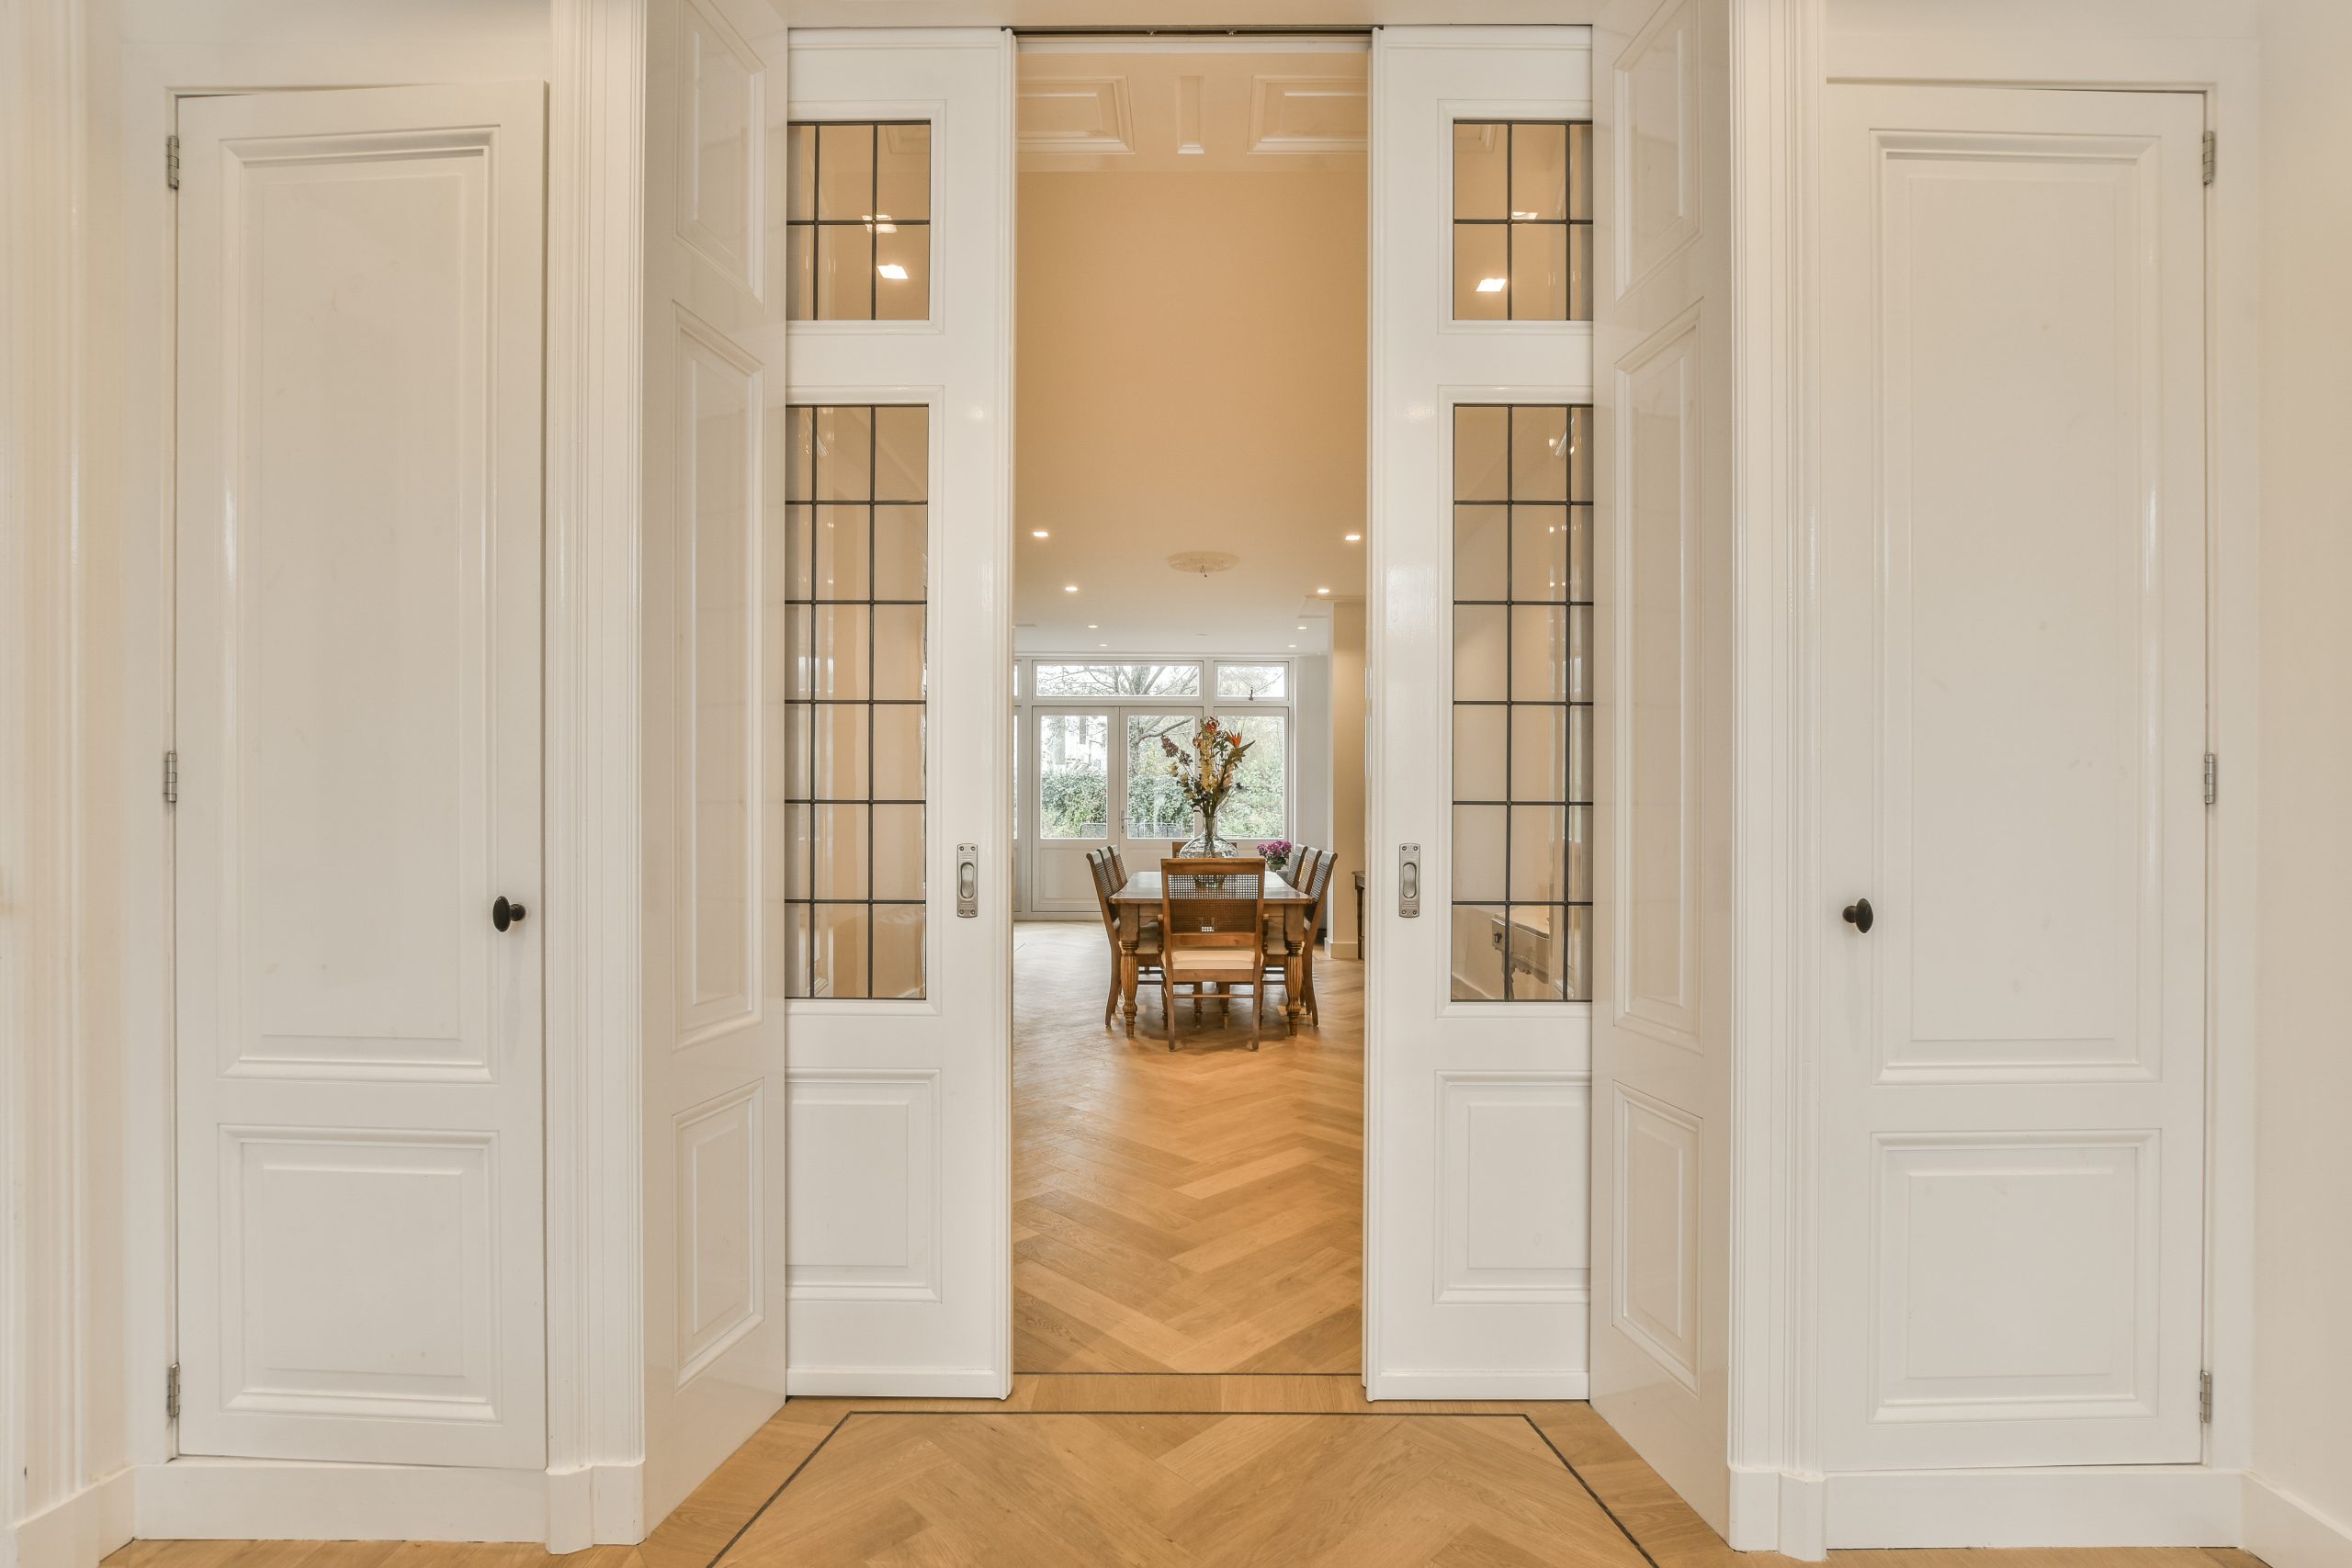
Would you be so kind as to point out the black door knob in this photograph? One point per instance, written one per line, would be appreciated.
(503, 914)
(1858, 915)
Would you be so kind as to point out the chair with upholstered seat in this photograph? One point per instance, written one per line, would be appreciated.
(1102, 865)
(1213, 921)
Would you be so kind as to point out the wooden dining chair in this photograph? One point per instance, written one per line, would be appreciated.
(1318, 897)
(1278, 944)
(1101, 865)
(1211, 922)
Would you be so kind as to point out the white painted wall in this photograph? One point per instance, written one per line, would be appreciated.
(2303, 1392)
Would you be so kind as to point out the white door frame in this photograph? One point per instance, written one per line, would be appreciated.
(1780, 1499)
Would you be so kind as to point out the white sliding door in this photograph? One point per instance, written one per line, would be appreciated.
(1479, 638)
(359, 530)
(2013, 738)
(1668, 771)
(895, 678)
(827, 1036)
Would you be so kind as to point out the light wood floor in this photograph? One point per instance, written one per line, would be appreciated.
(1193, 1210)
(1177, 1215)
(1170, 1472)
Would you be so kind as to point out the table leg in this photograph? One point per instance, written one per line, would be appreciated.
(1293, 977)
(1128, 972)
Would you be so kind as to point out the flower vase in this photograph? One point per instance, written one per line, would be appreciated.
(1205, 844)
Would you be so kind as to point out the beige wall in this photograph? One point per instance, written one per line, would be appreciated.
(2304, 1289)
(1347, 773)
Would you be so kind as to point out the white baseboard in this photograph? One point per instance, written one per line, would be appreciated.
(1480, 1385)
(897, 1382)
(2287, 1532)
(601, 1505)
(2086, 1506)
(1772, 1510)
(78, 1531)
(220, 1499)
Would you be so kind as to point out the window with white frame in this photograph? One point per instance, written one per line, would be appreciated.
(1100, 772)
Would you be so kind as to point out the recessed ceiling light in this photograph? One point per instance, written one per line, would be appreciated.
(1323, 591)
(892, 271)
(1355, 538)
(1069, 587)
(1093, 626)
(1301, 628)
(1293, 645)
(1492, 285)
(1040, 534)
(1101, 645)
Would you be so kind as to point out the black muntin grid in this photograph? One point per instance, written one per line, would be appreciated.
(816, 223)
(1577, 176)
(1577, 500)
(800, 788)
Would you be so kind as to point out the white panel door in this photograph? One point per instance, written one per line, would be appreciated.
(900, 1185)
(359, 529)
(2013, 733)
(712, 732)
(1663, 1044)
(1478, 1038)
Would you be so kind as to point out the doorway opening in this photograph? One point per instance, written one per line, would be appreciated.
(1190, 501)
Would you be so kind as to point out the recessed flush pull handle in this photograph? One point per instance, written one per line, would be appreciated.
(1409, 881)
(1858, 915)
(503, 914)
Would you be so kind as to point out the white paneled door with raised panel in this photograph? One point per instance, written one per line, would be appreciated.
(358, 1040)
(1480, 806)
(2013, 706)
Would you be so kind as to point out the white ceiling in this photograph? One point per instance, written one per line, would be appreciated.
(1190, 369)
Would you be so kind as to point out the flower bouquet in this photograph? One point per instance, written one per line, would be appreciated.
(1206, 778)
(1277, 853)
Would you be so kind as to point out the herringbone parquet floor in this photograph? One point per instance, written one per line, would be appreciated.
(1193, 1210)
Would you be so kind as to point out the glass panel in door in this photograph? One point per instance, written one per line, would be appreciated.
(1074, 799)
(1156, 815)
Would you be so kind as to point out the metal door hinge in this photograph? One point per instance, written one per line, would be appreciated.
(2212, 778)
(2205, 1398)
(171, 778)
(171, 1392)
(172, 161)
(2208, 157)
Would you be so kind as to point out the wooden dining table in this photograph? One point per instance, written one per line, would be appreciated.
(1139, 899)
